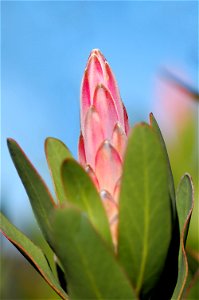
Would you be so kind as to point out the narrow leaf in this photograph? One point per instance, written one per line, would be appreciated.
(167, 281)
(39, 196)
(91, 269)
(56, 153)
(32, 253)
(155, 126)
(184, 210)
(144, 209)
(80, 191)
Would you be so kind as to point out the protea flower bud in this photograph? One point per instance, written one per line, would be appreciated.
(104, 130)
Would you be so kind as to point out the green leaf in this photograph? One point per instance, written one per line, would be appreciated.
(155, 126)
(91, 269)
(56, 153)
(167, 280)
(192, 257)
(40, 198)
(192, 290)
(144, 209)
(32, 253)
(80, 191)
(60, 274)
(184, 210)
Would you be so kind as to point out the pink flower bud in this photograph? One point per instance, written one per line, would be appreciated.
(104, 131)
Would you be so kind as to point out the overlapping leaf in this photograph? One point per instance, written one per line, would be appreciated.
(80, 191)
(167, 280)
(155, 126)
(32, 253)
(40, 198)
(144, 210)
(56, 153)
(184, 210)
(91, 269)
(191, 290)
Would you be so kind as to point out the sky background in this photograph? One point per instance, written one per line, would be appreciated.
(44, 49)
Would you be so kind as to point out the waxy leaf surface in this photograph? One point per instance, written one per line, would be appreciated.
(91, 269)
(80, 191)
(184, 210)
(56, 153)
(167, 281)
(144, 209)
(32, 253)
(39, 196)
(155, 126)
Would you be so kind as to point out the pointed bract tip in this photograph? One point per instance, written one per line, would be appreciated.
(106, 143)
(96, 51)
(98, 54)
(118, 127)
(104, 194)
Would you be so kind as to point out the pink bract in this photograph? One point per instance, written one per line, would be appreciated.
(104, 131)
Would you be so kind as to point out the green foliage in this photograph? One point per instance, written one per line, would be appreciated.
(184, 210)
(41, 201)
(91, 268)
(152, 224)
(80, 191)
(155, 126)
(56, 153)
(144, 211)
(32, 253)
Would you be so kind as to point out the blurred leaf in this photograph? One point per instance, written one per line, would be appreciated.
(181, 85)
(155, 126)
(91, 269)
(56, 153)
(40, 198)
(60, 274)
(80, 191)
(145, 211)
(184, 210)
(32, 253)
(184, 158)
(184, 205)
(193, 259)
(192, 291)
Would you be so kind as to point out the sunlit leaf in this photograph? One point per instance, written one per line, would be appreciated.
(56, 153)
(167, 280)
(145, 212)
(155, 126)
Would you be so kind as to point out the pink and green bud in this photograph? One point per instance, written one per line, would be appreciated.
(104, 131)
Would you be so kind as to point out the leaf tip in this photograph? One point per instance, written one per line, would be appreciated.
(10, 141)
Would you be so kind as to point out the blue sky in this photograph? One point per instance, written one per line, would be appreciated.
(44, 50)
